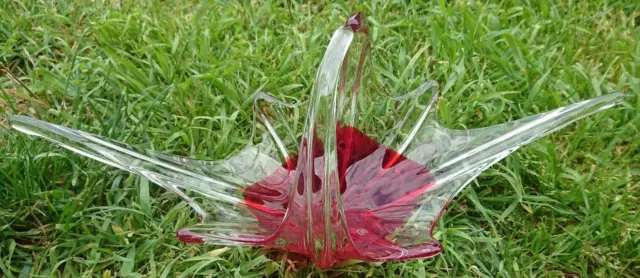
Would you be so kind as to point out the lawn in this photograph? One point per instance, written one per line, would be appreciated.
(179, 77)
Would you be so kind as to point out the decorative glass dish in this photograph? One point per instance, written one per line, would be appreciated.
(343, 182)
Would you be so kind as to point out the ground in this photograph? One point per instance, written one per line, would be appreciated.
(178, 77)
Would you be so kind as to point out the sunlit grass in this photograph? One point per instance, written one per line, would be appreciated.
(179, 77)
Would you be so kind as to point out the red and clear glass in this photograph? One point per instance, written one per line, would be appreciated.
(352, 173)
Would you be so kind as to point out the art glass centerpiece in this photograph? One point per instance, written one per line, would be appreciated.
(362, 176)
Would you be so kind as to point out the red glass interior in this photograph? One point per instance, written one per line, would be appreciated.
(379, 189)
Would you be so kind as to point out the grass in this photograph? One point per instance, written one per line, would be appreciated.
(178, 76)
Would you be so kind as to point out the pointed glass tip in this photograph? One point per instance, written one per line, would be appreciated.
(355, 22)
